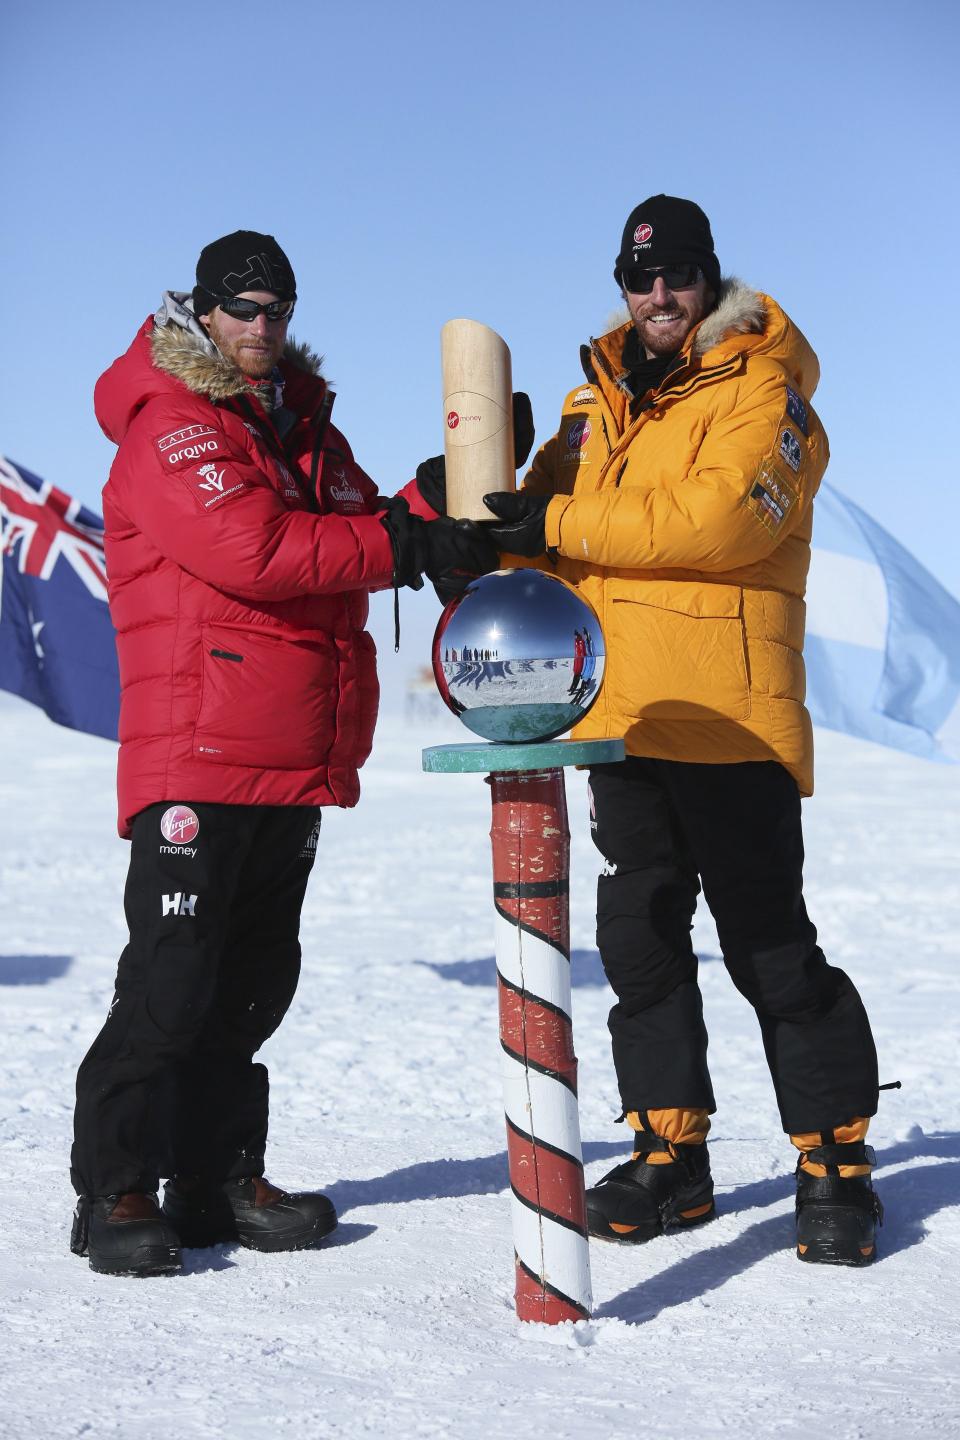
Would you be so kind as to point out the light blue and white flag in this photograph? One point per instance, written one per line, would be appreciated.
(883, 637)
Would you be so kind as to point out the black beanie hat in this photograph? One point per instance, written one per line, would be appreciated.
(245, 260)
(664, 228)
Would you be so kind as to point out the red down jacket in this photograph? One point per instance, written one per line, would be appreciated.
(239, 598)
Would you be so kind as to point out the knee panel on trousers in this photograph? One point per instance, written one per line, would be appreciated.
(644, 918)
(790, 982)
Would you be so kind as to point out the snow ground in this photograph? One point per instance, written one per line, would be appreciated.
(386, 1092)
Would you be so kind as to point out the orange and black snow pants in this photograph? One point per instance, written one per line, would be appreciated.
(665, 828)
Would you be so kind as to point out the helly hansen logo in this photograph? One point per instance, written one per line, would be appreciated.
(179, 904)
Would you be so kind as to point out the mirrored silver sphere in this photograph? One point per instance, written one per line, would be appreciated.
(518, 656)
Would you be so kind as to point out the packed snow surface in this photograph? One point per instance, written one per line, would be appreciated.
(386, 1093)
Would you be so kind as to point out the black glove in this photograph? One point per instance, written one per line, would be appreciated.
(459, 551)
(451, 553)
(432, 473)
(523, 517)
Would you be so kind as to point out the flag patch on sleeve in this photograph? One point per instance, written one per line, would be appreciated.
(797, 411)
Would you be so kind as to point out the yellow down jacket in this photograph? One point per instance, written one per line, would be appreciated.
(686, 525)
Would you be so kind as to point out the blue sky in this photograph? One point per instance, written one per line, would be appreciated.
(426, 161)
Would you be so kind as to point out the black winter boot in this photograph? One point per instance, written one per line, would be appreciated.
(637, 1200)
(125, 1235)
(837, 1216)
(253, 1212)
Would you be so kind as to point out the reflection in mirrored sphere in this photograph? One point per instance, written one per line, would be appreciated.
(518, 656)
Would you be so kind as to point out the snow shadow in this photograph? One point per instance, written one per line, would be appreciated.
(910, 1197)
(219, 1257)
(33, 969)
(586, 970)
(442, 1179)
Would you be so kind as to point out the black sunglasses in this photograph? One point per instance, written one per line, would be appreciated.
(239, 309)
(640, 281)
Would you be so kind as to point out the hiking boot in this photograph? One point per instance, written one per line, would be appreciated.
(125, 1235)
(252, 1212)
(643, 1198)
(837, 1215)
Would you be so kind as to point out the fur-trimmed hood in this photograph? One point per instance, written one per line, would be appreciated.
(180, 346)
(172, 345)
(743, 319)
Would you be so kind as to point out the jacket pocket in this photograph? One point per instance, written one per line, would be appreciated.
(676, 650)
(268, 698)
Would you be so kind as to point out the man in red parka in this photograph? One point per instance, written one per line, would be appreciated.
(242, 540)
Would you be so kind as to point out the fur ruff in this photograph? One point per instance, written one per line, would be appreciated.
(185, 356)
(739, 311)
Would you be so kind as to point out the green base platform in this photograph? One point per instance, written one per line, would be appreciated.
(491, 758)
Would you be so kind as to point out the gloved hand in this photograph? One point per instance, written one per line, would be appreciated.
(523, 517)
(451, 553)
(432, 473)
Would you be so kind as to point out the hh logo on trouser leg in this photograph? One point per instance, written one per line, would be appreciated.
(179, 904)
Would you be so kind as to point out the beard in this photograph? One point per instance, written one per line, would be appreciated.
(256, 356)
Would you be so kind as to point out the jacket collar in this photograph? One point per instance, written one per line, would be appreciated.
(744, 321)
(739, 311)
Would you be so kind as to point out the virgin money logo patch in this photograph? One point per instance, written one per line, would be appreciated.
(578, 434)
(179, 825)
(643, 234)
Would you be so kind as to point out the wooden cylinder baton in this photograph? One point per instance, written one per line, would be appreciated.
(478, 416)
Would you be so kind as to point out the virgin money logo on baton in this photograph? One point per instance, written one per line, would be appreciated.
(453, 419)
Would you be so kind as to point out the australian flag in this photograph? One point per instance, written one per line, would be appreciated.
(57, 646)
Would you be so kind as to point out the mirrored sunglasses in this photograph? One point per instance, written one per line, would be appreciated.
(239, 309)
(640, 281)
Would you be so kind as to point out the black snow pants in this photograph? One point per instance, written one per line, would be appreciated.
(663, 828)
(168, 1086)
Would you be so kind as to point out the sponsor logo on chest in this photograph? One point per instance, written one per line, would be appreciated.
(576, 439)
(342, 492)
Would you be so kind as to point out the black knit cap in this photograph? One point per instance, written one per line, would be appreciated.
(663, 229)
(245, 260)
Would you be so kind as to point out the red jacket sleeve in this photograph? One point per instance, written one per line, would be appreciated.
(223, 521)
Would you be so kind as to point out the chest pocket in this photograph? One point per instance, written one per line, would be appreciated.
(677, 651)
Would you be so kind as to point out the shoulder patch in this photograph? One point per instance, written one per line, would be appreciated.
(211, 484)
(771, 496)
(187, 446)
(584, 397)
(577, 434)
(791, 450)
(797, 410)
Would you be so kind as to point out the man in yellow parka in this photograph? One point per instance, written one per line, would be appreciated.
(677, 496)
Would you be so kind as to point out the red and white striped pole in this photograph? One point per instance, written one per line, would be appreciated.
(531, 880)
(531, 845)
